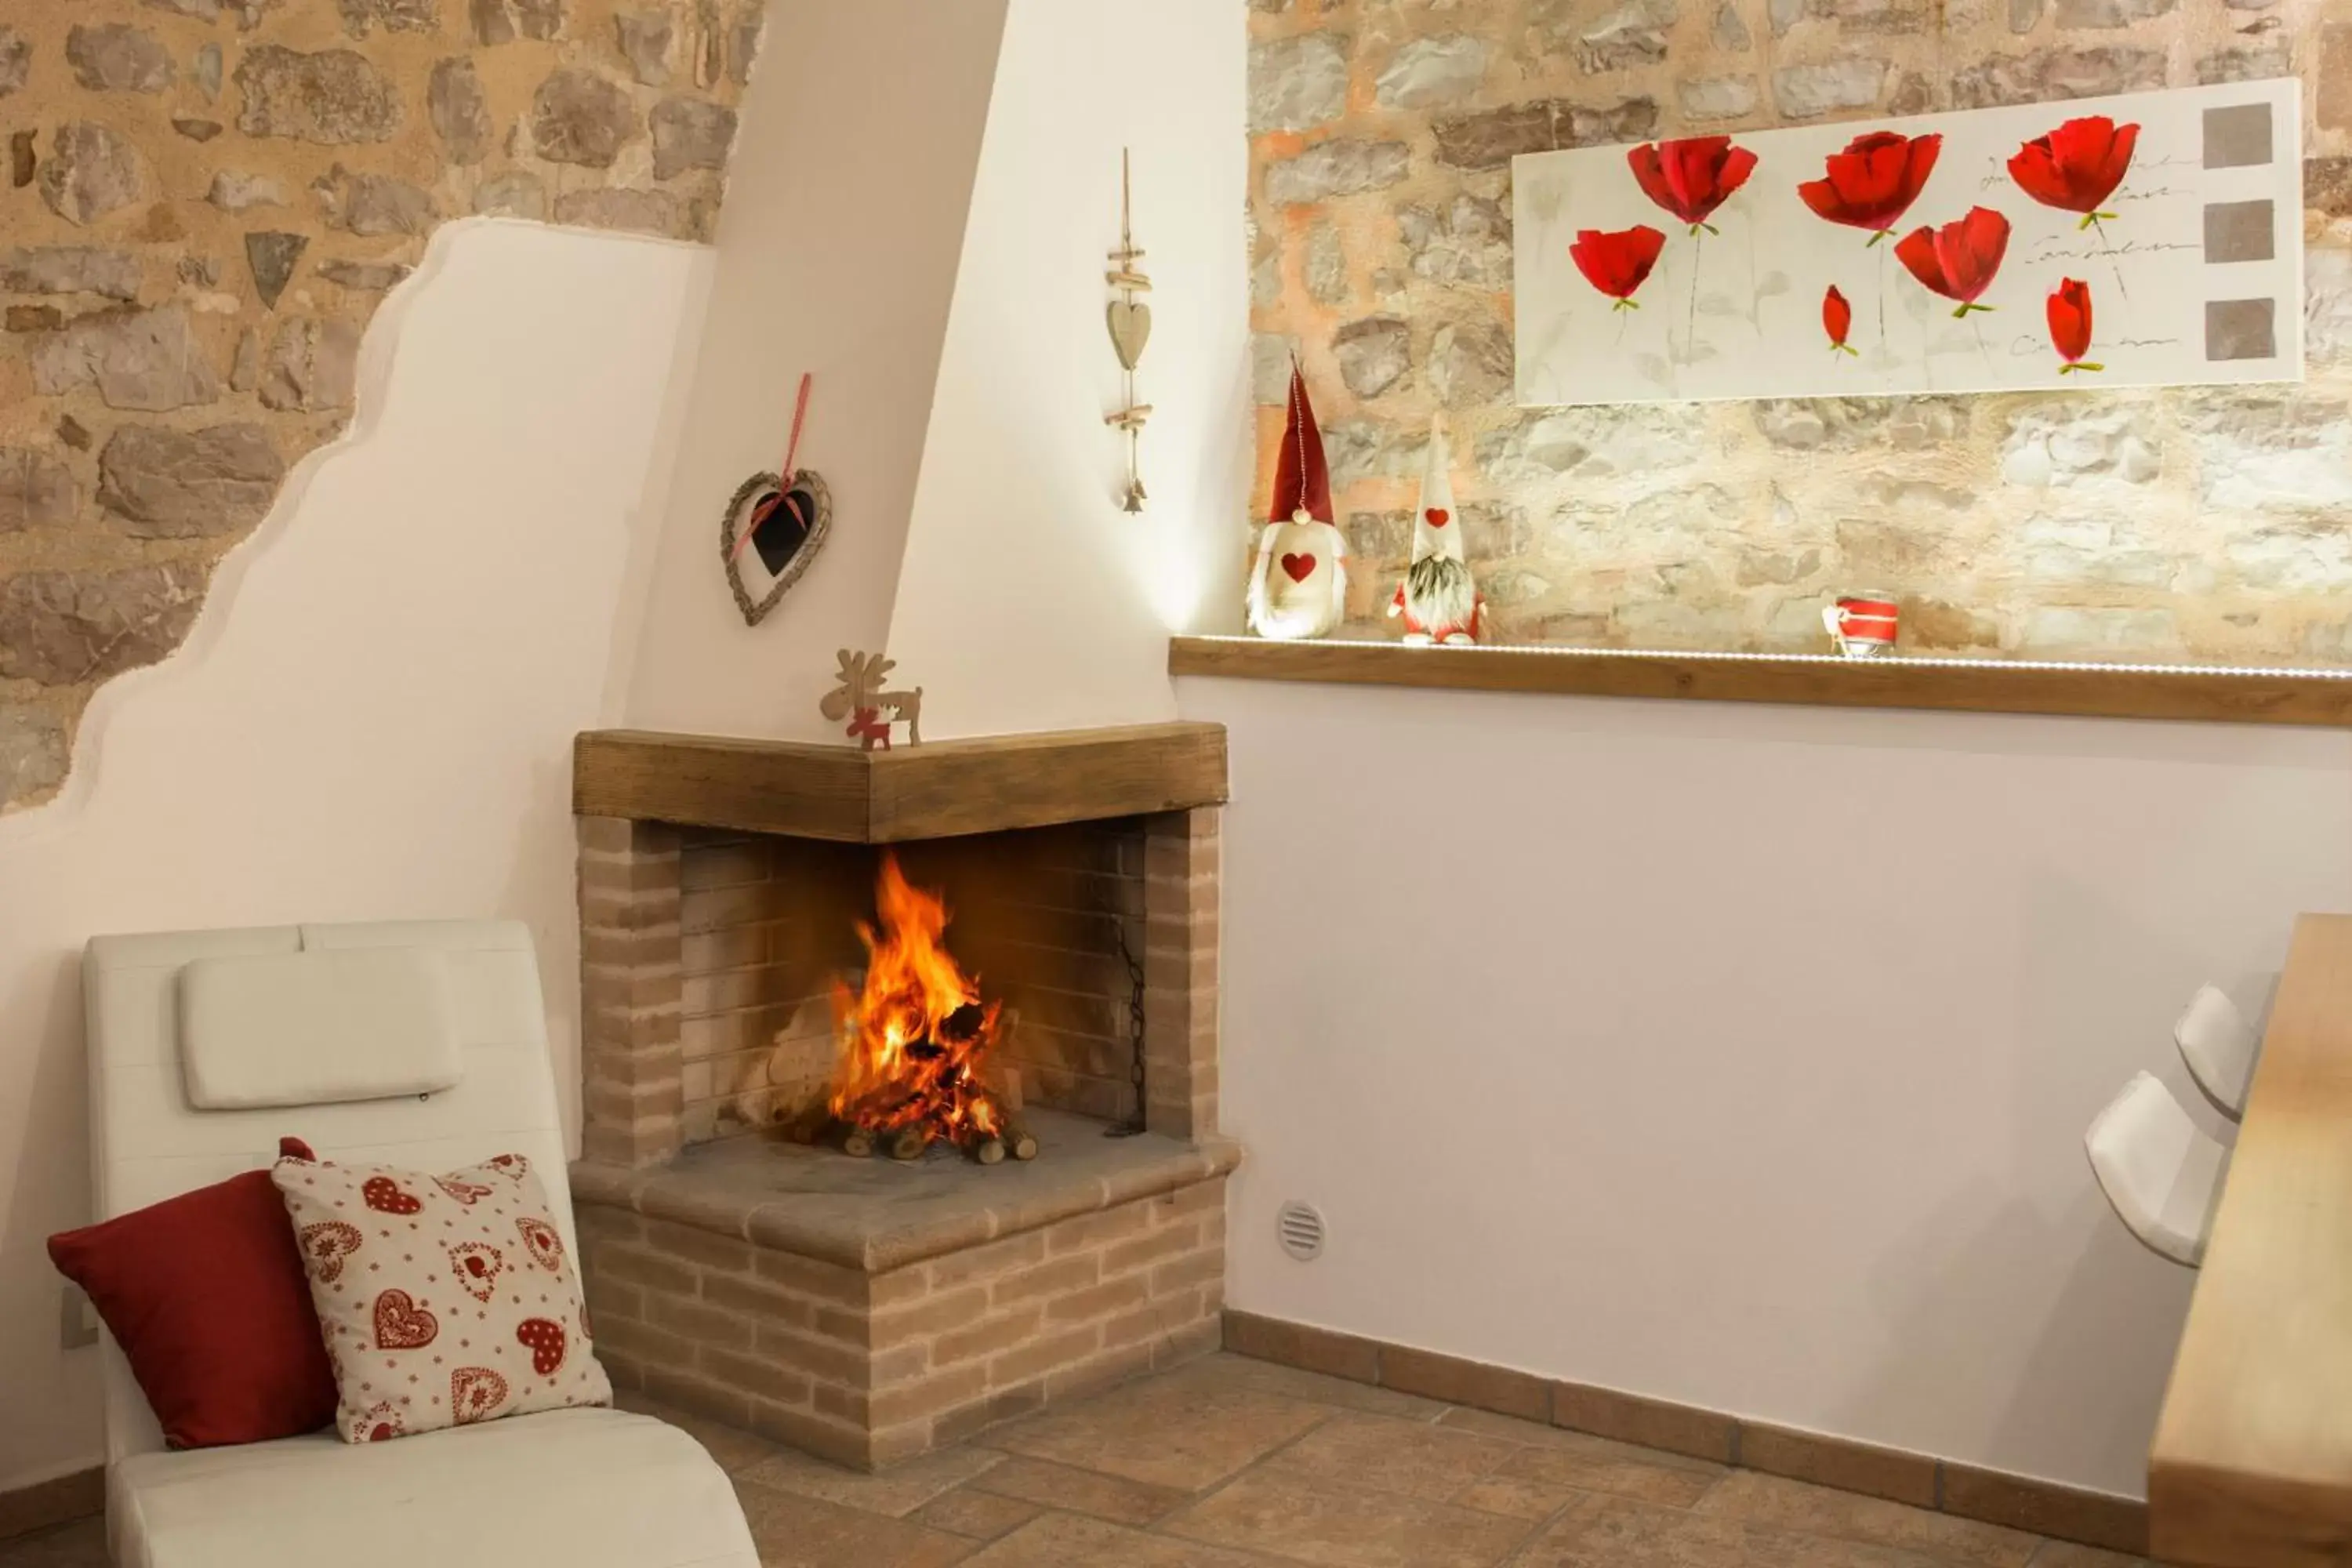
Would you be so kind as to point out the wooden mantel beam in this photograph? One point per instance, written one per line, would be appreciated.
(937, 790)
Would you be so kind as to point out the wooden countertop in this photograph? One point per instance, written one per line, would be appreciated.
(2253, 1459)
(2207, 693)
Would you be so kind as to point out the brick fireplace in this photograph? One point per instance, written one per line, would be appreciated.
(869, 1310)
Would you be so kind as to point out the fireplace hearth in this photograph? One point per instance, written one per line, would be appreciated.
(1037, 967)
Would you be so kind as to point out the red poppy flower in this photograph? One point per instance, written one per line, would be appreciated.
(1960, 260)
(1617, 263)
(1837, 320)
(2070, 325)
(1873, 182)
(1692, 177)
(2077, 167)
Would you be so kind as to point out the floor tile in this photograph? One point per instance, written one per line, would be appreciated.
(731, 1449)
(1598, 1532)
(1412, 1459)
(1540, 1435)
(796, 1531)
(1167, 1431)
(976, 1515)
(898, 1491)
(1066, 1540)
(82, 1544)
(1309, 1388)
(1818, 1510)
(2066, 1554)
(1512, 1498)
(1345, 1527)
(1596, 1464)
(1049, 1485)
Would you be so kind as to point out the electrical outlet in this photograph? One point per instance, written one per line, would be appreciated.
(77, 1320)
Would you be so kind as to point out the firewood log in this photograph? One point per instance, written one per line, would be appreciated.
(1020, 1144)
(989, 1151)
(858, 1144)
(910, 1143)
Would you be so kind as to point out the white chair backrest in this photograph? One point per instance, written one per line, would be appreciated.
(2162, 1175)
(148, 1143)
(2219, 1045)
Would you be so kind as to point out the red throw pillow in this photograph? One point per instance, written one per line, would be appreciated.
(207, 1296)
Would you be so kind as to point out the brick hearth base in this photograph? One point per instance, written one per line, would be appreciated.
(868, 1311)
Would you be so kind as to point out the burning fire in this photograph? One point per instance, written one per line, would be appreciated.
(916, 1038)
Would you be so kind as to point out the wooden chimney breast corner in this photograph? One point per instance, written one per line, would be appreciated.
(870, 1310)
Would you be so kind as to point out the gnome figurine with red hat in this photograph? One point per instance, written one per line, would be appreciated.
(1299, 588)
(1439, 601)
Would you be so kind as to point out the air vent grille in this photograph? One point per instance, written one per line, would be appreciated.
(1299, 1227)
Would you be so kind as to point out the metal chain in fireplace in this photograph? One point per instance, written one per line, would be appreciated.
(1136, 1118)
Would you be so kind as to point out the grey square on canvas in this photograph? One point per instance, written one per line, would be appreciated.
(2238, 137)
(2239, 231)
(2241, 329)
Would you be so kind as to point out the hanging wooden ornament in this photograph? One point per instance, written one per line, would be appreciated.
(774, 525)
(1131, 333)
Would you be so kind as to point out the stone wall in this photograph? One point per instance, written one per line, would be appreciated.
(205, 202)
(2204, 523)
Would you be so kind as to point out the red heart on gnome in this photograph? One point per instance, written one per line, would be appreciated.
(543, 1337)
(1300, 567)
(383, 1195)
(1438, 516)
(475, 1394)
(326, 1245)
(401, 1324)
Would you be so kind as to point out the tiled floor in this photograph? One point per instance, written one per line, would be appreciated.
(1229, 1463)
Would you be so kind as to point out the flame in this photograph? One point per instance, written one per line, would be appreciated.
(916, 1036)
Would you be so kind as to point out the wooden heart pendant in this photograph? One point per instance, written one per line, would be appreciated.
(787, 526)
(1131, 331)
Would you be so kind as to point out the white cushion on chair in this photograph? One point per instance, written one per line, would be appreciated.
(2162, 1175)
(569, 1489)
(316, 1028)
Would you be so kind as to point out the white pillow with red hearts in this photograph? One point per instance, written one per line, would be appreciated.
(445, 1300)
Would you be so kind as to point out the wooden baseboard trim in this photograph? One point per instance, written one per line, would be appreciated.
(1922, 1480)
(47, 1504)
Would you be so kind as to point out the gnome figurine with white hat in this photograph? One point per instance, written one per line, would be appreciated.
(1439, 601)
(1299, 588)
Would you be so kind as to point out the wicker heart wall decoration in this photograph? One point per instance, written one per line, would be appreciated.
(769, 537)
(775, 524)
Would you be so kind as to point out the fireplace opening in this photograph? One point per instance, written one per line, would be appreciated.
(916, 1044)
(942, 954)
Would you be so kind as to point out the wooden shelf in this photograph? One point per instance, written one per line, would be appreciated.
(2252, 1460)
(2209, 694)
(936, 791)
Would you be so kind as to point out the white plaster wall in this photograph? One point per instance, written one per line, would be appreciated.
(1028, 599)
(848, 193)
(1741, 1055)
(374, 715)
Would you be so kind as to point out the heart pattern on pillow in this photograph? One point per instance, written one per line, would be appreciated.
(467, 1193)
(445, 1300)
(543, 1337)
(326, 1245)
(475, 1394)
(540, 1240)
(478, 1266)
(401, 1324)
(382, 1195)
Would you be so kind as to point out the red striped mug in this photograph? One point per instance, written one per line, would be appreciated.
(1863, 625)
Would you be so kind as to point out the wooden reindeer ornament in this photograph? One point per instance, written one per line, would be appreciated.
(860, 701)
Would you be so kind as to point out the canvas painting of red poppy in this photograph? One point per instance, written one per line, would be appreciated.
(2146, 239)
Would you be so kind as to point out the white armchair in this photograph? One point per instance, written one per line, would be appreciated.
(585, 1488)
